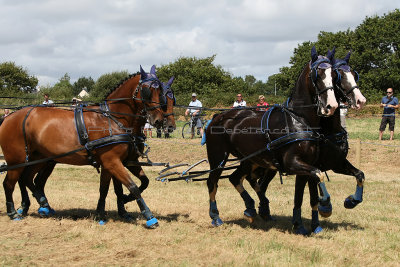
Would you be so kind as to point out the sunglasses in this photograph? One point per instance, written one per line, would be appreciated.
(389, 92)
(239, 96)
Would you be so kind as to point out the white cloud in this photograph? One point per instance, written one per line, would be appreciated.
(90, 38)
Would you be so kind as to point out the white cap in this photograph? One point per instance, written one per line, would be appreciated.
(194, 94)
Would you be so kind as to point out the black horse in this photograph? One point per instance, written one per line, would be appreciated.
(333, 151)
(284, 138)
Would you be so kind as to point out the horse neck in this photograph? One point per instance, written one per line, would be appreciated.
(126, 105)
(302, 100)
(332, 124)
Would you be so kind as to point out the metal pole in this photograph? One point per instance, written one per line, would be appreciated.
(358, 153)
(275, 88)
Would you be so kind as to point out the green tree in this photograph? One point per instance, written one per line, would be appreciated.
(62, 90)
(14, 79)
(86, 83)
(214, 85)
(106, 82)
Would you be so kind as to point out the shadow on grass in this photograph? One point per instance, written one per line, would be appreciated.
(284, 224)
(90, 214)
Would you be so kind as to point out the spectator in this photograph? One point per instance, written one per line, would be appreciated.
(261, 102)
(6, 112)
(195, 113)
(75, 102)
(47, 101)
(147, 129)
(389, 103)
(239, 102)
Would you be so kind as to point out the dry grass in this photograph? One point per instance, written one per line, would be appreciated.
(368, 235)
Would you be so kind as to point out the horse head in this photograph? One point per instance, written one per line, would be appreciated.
(150, 94)
(345, 81)
(320, 73)
(168, 108)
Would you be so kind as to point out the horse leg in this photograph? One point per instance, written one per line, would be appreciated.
(348, 169)
(313, 189)
(297, 222)
(118, 171)
(260, 188)
(25, 201)
(105, 179)
(212, 184)
(236, 179)
(9, 182)
(43, 173)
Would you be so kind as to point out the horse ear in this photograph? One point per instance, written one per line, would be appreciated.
(347, 58)
(153, 70)
(331, 54)
(314, 55)
(142, 73)
(171, 80)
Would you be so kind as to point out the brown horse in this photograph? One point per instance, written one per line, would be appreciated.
(43, 132)
(287, 139)
(168, 100)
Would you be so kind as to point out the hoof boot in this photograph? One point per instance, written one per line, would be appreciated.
(317, 230)
(301, 231)
(46, 211)
(351, 203)
(217, 222)
(250, 215)
(152, 223)
(102, 222)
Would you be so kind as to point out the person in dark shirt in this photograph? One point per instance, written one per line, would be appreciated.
(389, 103)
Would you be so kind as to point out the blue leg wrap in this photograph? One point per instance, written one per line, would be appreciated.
(298, 223)
(249, 203)
(315, 227)
(354, 200)
(214, 214)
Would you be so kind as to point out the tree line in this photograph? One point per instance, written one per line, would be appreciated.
(375, 56)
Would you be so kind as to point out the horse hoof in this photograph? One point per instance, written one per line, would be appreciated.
(301, 231)
(217, 222)
(250, 215)
(152, 223)
(351, 203)
(46, 211)
(325, 211)
(102, 222)
(317, 230)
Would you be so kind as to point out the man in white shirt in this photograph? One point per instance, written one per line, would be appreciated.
(195, 113)
(47, 101)
(239, 102)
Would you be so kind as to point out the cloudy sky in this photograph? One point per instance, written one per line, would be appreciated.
(90, 38)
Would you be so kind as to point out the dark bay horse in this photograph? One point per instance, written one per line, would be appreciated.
(43, 132)
(285, 139)
(333, 151)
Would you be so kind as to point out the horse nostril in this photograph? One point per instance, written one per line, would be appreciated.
(328, 107)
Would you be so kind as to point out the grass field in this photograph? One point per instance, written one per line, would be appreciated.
(369, 235)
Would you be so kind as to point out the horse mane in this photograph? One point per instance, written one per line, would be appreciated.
(122, 82)
(294, 87)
